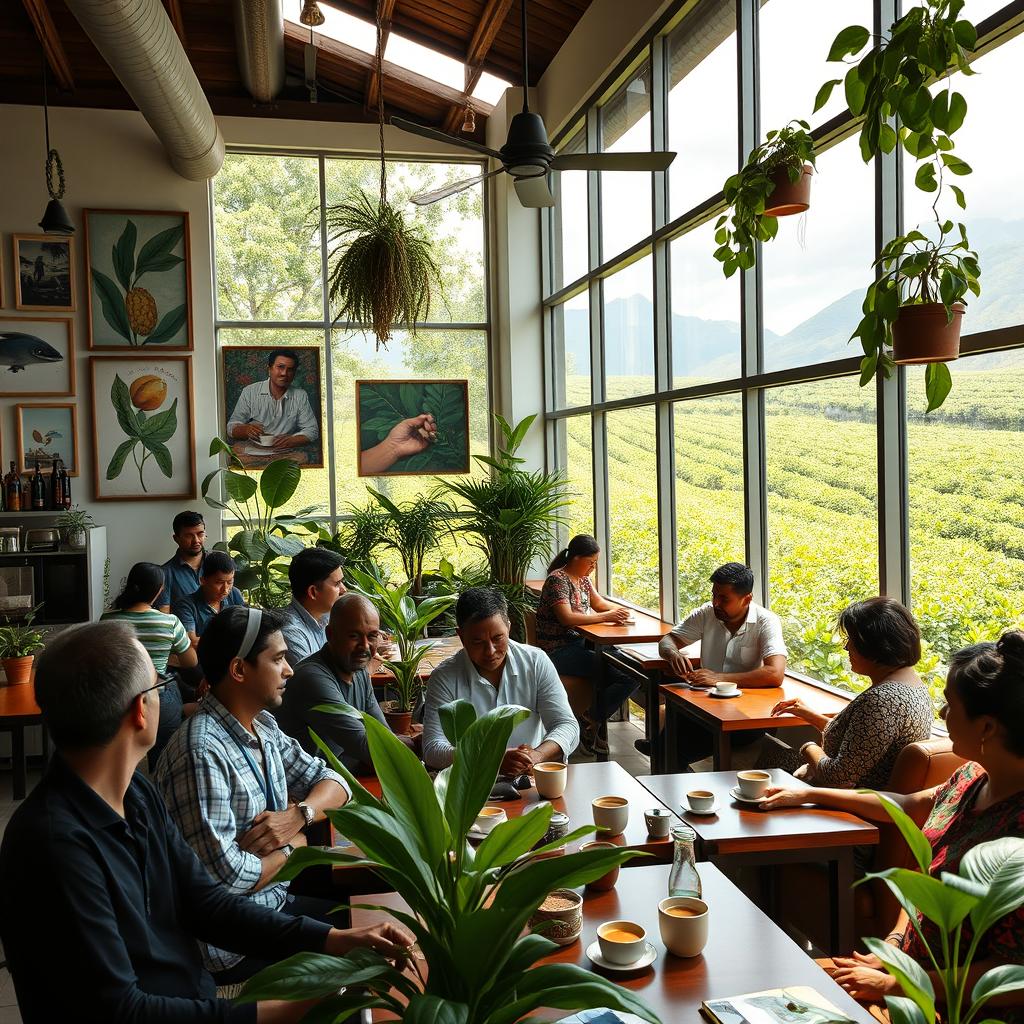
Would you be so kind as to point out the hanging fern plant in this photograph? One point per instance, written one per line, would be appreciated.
(382, 269)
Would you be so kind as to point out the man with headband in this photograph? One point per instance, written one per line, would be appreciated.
(240, 790)
(94, 868)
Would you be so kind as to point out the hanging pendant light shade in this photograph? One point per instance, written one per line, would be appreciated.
(55, 218)
(469, 119)
(311, 14)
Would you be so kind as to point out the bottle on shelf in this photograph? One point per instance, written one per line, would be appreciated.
(65, 486)
(38, 491)
(13, 489)
(56, 500)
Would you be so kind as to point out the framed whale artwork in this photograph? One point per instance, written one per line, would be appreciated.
(37, 357)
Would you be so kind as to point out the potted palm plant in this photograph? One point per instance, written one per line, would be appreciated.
(406, 621)
(775, 182)
(18, 647)
(467, 909)
(414, 529)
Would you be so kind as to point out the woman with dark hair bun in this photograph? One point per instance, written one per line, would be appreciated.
(859, 746)
(983, 800)
(570, 599)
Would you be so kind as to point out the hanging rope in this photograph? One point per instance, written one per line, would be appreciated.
(53, 162)
(380, 103)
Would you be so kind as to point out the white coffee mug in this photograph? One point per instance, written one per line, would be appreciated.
(266, 440)
(615, 947)
(753, 783)
(657, 820)
(688, 935)
(550, 778)
(489, 817)
(725, 687)
(611, 813)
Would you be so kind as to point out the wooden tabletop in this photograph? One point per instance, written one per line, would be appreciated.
(648, 658)
(644, 629)
(753, 708)
(743, 828)
(746, 951)
(444, 647)
(19, 702)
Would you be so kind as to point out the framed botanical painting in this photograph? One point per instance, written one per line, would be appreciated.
(47, 434)
(140, 279)
(408, 427)
(143, 432)
(37, 357)
(44, 273)
(272, 404)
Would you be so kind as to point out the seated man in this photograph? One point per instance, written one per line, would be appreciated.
(739, 641)
(239, 789)
(217, 590)
(339, 673)
(181, 570)
(490, 670)
(103, 902)
(317, 581)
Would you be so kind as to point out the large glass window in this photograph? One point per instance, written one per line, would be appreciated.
(579, 452)
(633, 505)
(571, 330)
(570, 259)
(629, 330)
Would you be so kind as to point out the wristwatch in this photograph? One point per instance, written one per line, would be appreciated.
(308, 814)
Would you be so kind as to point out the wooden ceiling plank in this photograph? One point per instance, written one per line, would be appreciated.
(46, 31)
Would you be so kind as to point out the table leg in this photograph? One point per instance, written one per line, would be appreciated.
(18, 759)
(602, 682)
(653, 719)
(721, 750)
(671, 738)
(841, 902)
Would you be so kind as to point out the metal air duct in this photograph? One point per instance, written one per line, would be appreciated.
(259, 33)
(138, 41)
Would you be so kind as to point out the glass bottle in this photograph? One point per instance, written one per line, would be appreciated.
(683, 879)
(13, 490)
(65, 486)
(56, 501)
(38, 491)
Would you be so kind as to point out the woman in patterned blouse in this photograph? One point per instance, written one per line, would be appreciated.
(982, 801)
(859, 746)
(568, 600)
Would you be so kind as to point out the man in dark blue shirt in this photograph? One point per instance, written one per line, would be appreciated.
(102, 901)
(182, 570)
(217, 590)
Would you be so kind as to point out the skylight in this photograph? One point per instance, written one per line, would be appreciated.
(340, 26)
(425, 61)
(490, 88)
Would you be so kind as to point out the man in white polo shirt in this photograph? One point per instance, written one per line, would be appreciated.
(740, 642)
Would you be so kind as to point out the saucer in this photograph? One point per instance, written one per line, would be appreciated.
(687, 809)
(737, 795)
(474, 833)
(648, 958)
(724, 696)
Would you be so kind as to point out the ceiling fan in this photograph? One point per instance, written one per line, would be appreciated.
(527, 155)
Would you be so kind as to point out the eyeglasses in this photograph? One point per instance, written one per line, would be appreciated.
(163, 681)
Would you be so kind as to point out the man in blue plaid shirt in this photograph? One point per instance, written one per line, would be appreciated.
(241, 791)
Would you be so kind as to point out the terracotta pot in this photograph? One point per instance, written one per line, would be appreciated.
(18, 670)
(399, 722)
(789, 197)
(607, 881)
(920, 334)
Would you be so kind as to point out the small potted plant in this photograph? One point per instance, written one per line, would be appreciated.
(18, 647)
(406, 621)
(775, 182)
(73, 523)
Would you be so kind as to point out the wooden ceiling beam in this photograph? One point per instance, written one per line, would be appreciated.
(46, 32)
(387, 10)
(177, 20)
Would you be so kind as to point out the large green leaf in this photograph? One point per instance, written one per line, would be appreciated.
(162, 426)
(909, 973)
(335, 1009)
(157, 247)
(238, 486)
(426, 1009)
(850, 40)
(303, 857)
(903, 1010)
(287, 546)
(456, 717)
(117, 462)
(941, 903)
(512, 838)
(937, 384)
(161, 455)
(122, 255)
(112, 304)
(914, 837)
(999, 865)
(278, 482)
(999, 981)
(311, 975)
(168, 327)
(122, 403)
(361, 796)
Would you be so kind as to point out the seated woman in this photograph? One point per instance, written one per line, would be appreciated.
(164, 638)
(568, 600)
(983, 800)
(859, 746)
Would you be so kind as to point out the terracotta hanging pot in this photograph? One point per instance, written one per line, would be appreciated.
(18, 670)
(789, 197)
(399, 722)
(920, 334)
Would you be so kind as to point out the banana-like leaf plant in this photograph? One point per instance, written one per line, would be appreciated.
(467, 908)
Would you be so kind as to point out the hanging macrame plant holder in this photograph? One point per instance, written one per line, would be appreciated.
(382, 269)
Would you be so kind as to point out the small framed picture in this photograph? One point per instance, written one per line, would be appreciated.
(44, 273)
(47, 434)
(37, 357)
(409, 427)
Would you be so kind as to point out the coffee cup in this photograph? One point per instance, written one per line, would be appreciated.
(753, 783)
(488, 818)
(560, 917)
(658, 820)
(550, 778)
(606, 881)
(621, 942)
(700, 799)
(266, 440)
(683, 922)
(725, 687)
(611, 813)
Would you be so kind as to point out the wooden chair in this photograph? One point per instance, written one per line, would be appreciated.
(579, 689)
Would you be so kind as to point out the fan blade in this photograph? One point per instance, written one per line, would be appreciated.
(534, 192)
(426, 198)
(612, 162)
(432, 133)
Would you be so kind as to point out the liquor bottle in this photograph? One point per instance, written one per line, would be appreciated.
(38, 491)
(65, 486)
(13, 490)
(56, 499)
(683, 879)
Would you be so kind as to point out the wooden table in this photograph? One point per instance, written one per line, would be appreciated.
(741, 834)
(724, 716)
(746, 950)
(444, 647)
(18, 709)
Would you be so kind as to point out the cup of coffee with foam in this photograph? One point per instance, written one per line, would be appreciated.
(489, 817)
(753, 783)
(700, 799)
(621, 942)
(683, 922)
(266, 440)
(611, 813)
(550, 778)
(725, 688)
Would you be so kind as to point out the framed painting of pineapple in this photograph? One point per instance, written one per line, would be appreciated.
(139, 270)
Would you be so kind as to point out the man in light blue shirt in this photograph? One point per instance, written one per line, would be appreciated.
(317, 581)
(217, 590)
(491, 671)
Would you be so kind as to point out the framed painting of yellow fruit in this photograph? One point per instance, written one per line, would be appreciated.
(37, 357)
(139, 271)
(47, 434)
(143, 433)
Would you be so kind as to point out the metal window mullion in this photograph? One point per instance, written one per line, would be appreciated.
(328, 345)
(754, 458)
